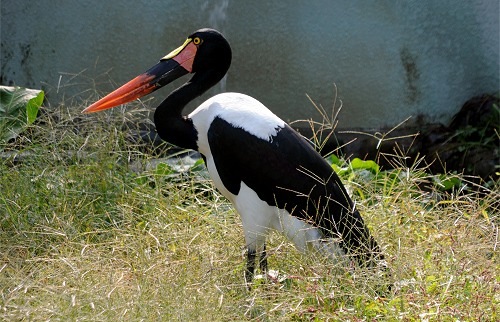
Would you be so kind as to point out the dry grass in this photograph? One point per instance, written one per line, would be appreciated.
(83, 237)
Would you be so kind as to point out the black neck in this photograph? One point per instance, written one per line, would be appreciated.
(170, 124)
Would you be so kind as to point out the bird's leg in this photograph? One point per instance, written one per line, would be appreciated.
(250, 265)
(263, 261)
(256, 246)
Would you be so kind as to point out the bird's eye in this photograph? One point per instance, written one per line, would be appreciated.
(196, 41)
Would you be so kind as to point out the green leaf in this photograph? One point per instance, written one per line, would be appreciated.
(358, 164)
(335, 168)
(199, 165)
(333, 159)
(18, 109)
(163, 169)
(445, 182)
(33, 106)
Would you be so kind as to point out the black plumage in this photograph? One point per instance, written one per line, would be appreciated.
(274, 178)
(286, 172)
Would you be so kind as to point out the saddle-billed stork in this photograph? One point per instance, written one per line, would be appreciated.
(271, 174)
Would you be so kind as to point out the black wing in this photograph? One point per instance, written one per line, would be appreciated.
(285, 171)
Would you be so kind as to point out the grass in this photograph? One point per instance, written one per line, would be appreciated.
(89, 232)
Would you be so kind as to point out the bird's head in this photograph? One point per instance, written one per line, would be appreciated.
(205, 52)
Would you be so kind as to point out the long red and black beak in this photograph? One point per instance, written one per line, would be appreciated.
(174, 65)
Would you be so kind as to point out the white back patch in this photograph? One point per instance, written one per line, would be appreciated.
(240, 110)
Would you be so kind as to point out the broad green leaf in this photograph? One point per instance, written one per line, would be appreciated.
(18, 109)
(163, 169)
(445, 182)
(333, 159)
(335, 168)
(199, 165)
(358, 164)
(33, 106)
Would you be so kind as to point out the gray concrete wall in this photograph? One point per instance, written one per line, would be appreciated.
(389, 59)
